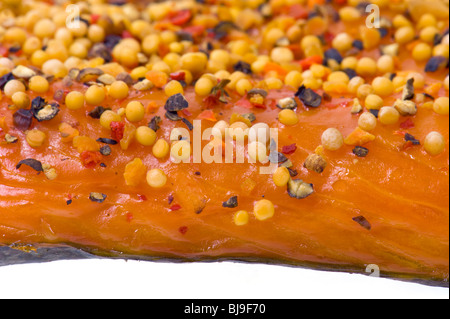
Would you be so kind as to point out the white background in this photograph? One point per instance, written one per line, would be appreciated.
(120, 279)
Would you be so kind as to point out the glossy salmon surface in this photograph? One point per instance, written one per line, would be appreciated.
(389, 208)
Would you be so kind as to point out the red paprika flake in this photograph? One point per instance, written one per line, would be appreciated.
(91, 159)
(180, 17)
(129, 216)
(178, 76)
(117, 129)
(142, 197)
(175, 207)
(183, 230)
(407, 124)
(289, 149)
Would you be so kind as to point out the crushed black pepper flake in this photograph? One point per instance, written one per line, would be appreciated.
(188, 124)
(97, 197)
(231, 203)
(154, 123)
(408, 90)
(173, 116)
(10, 139)
(361, 220)
(297, 188)
(170, 199)
(360, 151)
(176, 103)
(243, 67)
(68, 202)
(47, 113)
(107, 141)
(308, 97)
(31, 162)
(315, 162)
(409, 137)
(436, 63)
(292, 172)
(374, 112)
(105, 150)
(277, 157)
(97, 112)
(22, 119)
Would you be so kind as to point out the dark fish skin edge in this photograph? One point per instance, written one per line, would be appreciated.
(54, 252)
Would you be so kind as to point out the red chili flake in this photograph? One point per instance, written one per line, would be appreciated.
(401, 133)
(117, 129)
(260, 106)
(129, 216)
(186, 112)
(244, 102)
(406, 145)
(306, 63)
(163, 49)
(183, 229)
(3, 51)
(289, 149)
(91, 159)
(175, 207)
(180, 17)
(195, 30)
(178, 76)
(212, 100)
(126, 34)
(407, 124)
(94, 18)
(297, 11)
(142, 197)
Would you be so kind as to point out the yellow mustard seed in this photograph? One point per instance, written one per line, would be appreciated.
(173, 87)
(95, 95)
(180, 151)
(332, 139)
(12, 87)
(294, 79)
(35, 138)
(366, 67)
(118, 90)
(388, 115)
(404, 35)
(422, 52)
(241, 218)
(203, 86)
(434, 143)
(373, 102)
(107, 117)
(440, 105)
(367, 121)
(281, 176)
(38, 84)
(273, 83)
(74, 100)
(382, 86)
(21, 100)
(243, 86)
(161, 149)
(145, 136)
(288, 117)
(257, 152)
(263, 209)
(135, 111)
(156, 178)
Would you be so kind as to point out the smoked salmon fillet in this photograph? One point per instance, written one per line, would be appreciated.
(115, 134)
